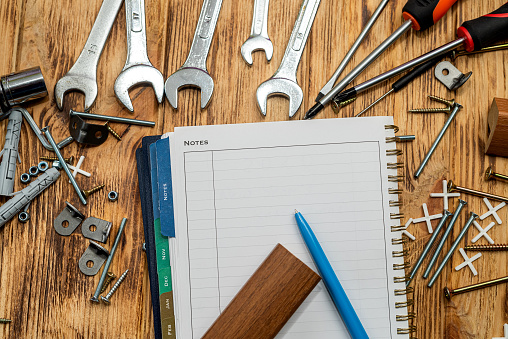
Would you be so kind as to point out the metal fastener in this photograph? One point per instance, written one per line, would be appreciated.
(448, 255)
(455, 110)
(336, 106)
(25, 178)
(23, 217)
(452, 187)
(48, 135)
(430, 110)
(112, 119)
(33, 171)
(5, 321)
(109, 278)
(455, 54)
(92, 191)
(42, 166)
(447, 232)
(448, 103)
(69, 160)
(95, 296)
(112, 131)
(490, 174)
(114, 288)
(113, 196)
(494, 247)
(449, 294)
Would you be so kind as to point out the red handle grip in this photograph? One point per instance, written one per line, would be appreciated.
(425, 13)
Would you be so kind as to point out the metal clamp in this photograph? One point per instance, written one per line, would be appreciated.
(96, 229)
(95, 255)
(71, 217)
(85, 133)
(450, 76)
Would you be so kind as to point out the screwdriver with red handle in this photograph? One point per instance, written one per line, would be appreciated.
(419, 14)
(473, 36)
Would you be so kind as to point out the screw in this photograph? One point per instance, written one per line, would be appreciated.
(452, 187)
(108, 262)
(456, 54)
(446, 233)
(490, 174)
(52, 142)
(92, 191)
(5, 321)
(112, 119)
(430, 110)
(67, 160)
(114, 288)
(455, 109)
(109, 278)
(112, 131)
(494, 247)
(336, 106)
(449, 294)
(455, 244)
(448, 103)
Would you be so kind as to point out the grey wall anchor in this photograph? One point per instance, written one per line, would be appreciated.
(27, 194)
(95, 255)
(68, 220)
(96, 229)
(450, 76)
(9, 153)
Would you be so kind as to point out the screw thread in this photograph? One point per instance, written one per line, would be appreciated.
(92, 191)
(115, 286)
(68, 160)
(495, 247)
(5, 321)
(442, 100)
(109, 279)
(112, 131)
(430, 110)
(336, 105)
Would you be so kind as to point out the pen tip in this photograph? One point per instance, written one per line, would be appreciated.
(296, 211)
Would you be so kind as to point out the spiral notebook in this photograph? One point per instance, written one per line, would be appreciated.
(235, 189)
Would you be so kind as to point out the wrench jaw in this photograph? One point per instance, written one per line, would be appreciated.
(77, 83)
(256, 43)
(189, 77)
(280, 86)
(136, 76)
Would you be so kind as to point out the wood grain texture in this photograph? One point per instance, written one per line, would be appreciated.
(267, 300)
(42, 290)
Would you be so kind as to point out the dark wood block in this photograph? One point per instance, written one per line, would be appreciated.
(497, 130)
(267, 300)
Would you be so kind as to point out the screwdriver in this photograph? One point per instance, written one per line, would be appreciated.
(474, 35)
(418, 14)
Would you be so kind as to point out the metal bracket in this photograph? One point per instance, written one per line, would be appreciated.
(97, 255)
(69, 215)
(450, 76)
(86, 133)
(101, 229)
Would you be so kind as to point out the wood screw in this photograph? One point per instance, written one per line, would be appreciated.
(449, 294)
(452, 187)
(336, 106)
(430, 110)
(67, 160)
(490, 174)
(109, 279)
(112, 131)
(114, 288)
(495, 247)
(448, 103)
(92, 191)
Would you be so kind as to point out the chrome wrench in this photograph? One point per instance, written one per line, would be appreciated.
(138, 69)
(284, 79)
(258, 39)
(193, 72)
(82, 76)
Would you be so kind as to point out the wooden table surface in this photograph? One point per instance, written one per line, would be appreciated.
(41, 287)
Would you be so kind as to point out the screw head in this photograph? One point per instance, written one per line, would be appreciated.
(94, 299)
(451, 186)
(447, 293)
(488, 173)
(111, 275)
(105, 300)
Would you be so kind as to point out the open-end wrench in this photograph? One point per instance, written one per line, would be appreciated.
(138, 69)
(193, 72)
(258, 39)
(283, 81)
(82, 76)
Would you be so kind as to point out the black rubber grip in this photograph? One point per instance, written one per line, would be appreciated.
(414, 73)
(425, 13)
(485, 30)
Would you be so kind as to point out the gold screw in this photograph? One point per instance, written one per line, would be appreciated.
(448, 294)
(92, 191)
(5, 321)
(494, 247)
(490, 174)
(452, 187)
(430, 110)
(112, 131)
(67, 160)
(443, 101)
(109, 279)
(336, 106)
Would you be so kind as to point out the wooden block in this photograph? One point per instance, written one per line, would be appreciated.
(267, 300)
(497, 130)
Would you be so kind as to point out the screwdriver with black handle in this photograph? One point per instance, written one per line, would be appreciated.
(474, 35)
(419, 14)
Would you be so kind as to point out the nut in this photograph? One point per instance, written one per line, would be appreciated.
(113, 196)
(25, 178)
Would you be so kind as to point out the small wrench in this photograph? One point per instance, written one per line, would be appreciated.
(82, 76)
(193, 72)
(137, 69)
(283, 81)
(258, 39)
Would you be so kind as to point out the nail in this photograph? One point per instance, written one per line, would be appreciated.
(112, 119)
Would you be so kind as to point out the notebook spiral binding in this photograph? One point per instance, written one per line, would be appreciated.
(406, 291)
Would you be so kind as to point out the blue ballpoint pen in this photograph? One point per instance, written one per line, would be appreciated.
(339, 297)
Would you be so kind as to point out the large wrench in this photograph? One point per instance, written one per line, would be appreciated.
(82, 76)
(193, 72)
(137, 69)
(258, 39)
(283, 81)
